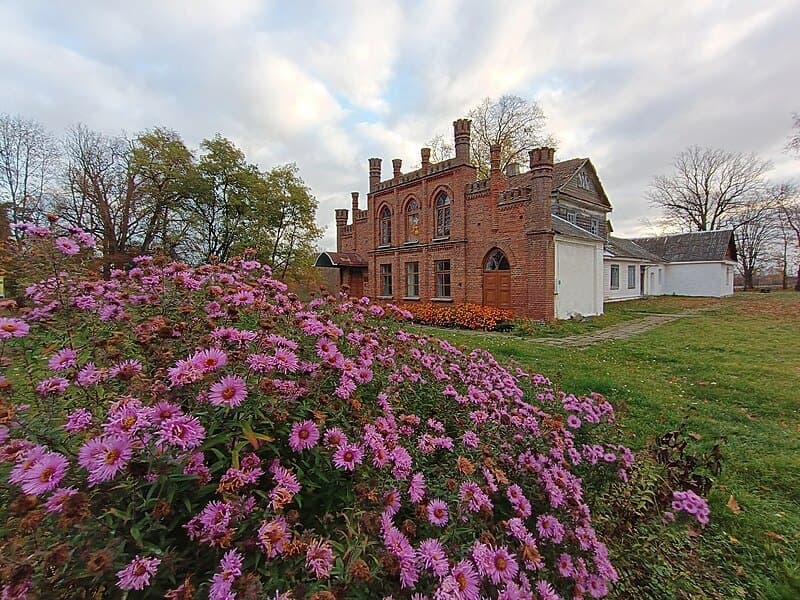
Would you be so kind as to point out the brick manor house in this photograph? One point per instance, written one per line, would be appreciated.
(533, 242)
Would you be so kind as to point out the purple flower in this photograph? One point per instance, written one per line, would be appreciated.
(63, 360)
(78, 420)
(52, 386)
(433, 557)
(319, 559)
(304, 435)
(90, 375)
(137, 574)
(347, 456)
(182, 431)
(416, 490)
(210, 359)
(55, 503)
(229, 391)
(573, 421)
(67, 246)
(125, 369)
(105, 457)
(230, 568)
(273, 536)
(46, 474)
(437, 512)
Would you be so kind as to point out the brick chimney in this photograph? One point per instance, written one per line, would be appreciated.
(461, 138)
(341, 217)
(425, 153)
(354, 196)
(495, 175)
(539, 217)
(374, 173)
(397, 163)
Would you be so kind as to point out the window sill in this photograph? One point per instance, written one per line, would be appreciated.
(415, 298)
(384, 246)
(441, 299)
(441, 239)
(410, 242)
(385, 297)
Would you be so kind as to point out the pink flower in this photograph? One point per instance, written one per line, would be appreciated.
(105, 457)
(549, 527)
(319, 559)
(46, 474)
(433, 557)
(467, 579)
(304, 435)
(437, 512)
(285, 361)
(10, 327)
(63, 360)
(334, 437)
(210, 359)
(55, 503)
(391, 502)
(182, 431)
(230, 568)
(67, 246)
(228, 391)
(573, 421)
(78, 420)
(90, 375)
(273, 536)
(138, 573)
(125, 369)
(416, 490)
(52, 386)
(347, 456)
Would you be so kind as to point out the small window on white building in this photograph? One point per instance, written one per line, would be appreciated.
(730, 275)
(572, 216)
(614, 277)
(659, 277)
(631, 277)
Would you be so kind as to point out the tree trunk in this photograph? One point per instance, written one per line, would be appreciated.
(748, 278)
(797, 281)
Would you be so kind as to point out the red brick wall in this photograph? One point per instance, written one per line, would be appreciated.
(479, 223)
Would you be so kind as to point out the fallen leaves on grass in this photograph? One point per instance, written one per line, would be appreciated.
(733, 505)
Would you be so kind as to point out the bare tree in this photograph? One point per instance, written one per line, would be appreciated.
(708, 187)
(516, 124)
(790, 208)
(794, 139)
(441, 149)
(758, 229)
(103, 195)
(28, 162)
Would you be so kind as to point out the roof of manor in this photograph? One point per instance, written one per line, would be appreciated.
(687, 247)
(563, 171)
(564, 227)
(622, 248)
(340, 259)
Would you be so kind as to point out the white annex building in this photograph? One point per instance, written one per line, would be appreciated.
(701, 263)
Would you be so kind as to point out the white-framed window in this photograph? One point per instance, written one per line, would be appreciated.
(584, 181)
(614, 277)
(412, 221)
(386, 226)
(572, 216)
(442, 278)
(631, 277)
(412, 279)
(594, 226)
(386, 280)
(659, 276)
(442, 215)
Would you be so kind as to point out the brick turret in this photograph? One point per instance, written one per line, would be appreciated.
(397, 163)
(538, 217)
(461, 138)
(425, 155)
(374, 173)
(354, 196)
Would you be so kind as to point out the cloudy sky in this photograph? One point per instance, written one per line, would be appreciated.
(328, 84)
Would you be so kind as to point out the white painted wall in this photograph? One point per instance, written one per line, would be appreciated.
(655, 279)
(579, 277)
(624, 292)
(700, 279)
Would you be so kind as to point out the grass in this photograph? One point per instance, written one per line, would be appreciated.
(730, 372)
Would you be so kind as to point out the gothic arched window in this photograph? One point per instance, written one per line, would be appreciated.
(442, 215)
(412, 221)
(496, 261)
(385, 220)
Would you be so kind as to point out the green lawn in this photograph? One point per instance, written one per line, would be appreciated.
(732, 372)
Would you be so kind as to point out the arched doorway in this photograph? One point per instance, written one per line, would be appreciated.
(496, 280)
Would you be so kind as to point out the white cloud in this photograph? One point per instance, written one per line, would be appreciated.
(329, 85)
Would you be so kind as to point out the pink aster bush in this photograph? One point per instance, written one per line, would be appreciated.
(207, 433)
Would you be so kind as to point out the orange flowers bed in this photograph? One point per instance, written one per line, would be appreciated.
(468, 316)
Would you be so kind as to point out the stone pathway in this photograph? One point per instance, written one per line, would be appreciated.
(620, 331)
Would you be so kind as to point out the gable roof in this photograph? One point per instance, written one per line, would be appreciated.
(688, 247)
(621, 248)
(563, 172)
(340, 259)
(564, 227)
